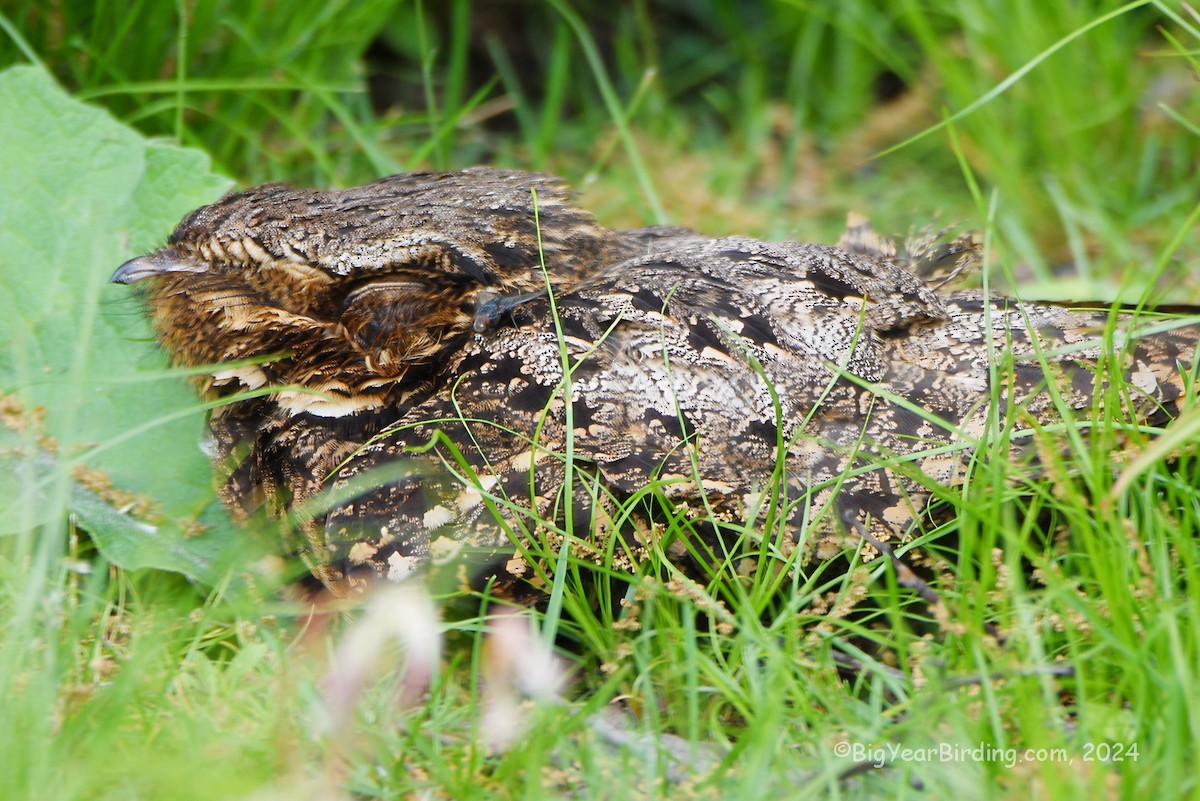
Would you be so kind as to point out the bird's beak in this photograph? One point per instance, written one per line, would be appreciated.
(161, 261)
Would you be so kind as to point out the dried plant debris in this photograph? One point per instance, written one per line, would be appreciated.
(45, 487)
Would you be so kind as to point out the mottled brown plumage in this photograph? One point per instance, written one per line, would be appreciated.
(802, 392)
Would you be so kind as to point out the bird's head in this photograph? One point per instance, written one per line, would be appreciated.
(339, 295)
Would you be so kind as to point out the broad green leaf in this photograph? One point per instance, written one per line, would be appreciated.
(83, 192)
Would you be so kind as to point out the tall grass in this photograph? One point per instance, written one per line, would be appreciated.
(778, 106)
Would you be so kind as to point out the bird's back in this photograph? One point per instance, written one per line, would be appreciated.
(805, 387)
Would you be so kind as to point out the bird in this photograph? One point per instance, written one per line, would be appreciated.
(464, 368)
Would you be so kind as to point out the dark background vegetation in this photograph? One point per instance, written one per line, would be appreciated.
(758, 117)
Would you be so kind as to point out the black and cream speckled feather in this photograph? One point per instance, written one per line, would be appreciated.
(412, 311)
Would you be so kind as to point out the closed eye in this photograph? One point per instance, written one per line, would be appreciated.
(405, 318)
(394, 288)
